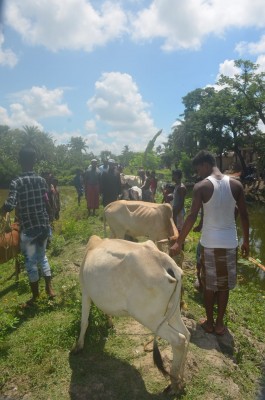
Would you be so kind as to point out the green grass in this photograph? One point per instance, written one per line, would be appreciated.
(35, 343)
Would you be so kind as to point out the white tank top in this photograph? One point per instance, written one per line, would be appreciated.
(219, 227)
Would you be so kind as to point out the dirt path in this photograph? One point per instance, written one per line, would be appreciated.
(205, 349)
(214, 354)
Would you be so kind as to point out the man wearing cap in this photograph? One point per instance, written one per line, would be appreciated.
(110, 184)
(92, 185)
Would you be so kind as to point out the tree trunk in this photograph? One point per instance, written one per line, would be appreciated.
(241, 159)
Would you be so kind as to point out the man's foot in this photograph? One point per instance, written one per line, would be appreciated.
(208, 328)
(48, 287)
(30, 303)
(221, 331)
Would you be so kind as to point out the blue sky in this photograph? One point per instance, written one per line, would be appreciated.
(115, 72)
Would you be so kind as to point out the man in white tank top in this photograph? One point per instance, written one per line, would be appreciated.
(219, 196)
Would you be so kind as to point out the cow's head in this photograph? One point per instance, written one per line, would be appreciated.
(165, 244)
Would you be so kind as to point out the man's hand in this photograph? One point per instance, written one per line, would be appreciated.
(245, 250)
(175, 249)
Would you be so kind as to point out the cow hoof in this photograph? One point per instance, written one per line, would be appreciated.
(168, 390)
(175, 389)
(76, 350)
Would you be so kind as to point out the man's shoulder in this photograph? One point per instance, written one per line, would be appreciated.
(204, 183)
(235, 185)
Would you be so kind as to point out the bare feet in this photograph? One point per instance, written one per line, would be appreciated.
(206, 326)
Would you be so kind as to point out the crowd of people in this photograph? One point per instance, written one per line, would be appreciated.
(104, 182)
(217, 199)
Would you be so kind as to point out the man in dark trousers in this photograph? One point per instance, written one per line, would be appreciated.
(219, 196)
(110, 185)
(29, 195)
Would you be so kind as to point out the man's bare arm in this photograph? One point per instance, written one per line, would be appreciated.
(190, 220)
(243, 214)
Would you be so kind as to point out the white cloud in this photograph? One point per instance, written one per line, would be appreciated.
(185, 24)
(251, 47)
(29, 106)
(90, 125)
(66, 24)
(63, 137)
(97, 143)
(41, 102)
(7, 56)
(261, 62)
(20, 117)
(85, 25)
(261, 126)
(4, 118)
(118, 106)
(228, 68)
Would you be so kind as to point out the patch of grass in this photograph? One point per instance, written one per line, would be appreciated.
(35, 343)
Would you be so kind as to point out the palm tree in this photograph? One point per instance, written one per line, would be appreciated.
(77, 145)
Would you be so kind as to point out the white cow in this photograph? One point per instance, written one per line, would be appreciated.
(139, 218)
(123, 278)
(131, 180)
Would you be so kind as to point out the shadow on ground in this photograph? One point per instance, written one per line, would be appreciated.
(103, 377)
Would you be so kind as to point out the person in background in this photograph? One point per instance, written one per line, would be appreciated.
(153, 184)
(29, 195)
(56, 198)
(78, 183)
(147, 194)
(179, 195)
(104, 167)
(141, 174)
(110, 185)
(92, 187)
(168, 190)
(219, 196)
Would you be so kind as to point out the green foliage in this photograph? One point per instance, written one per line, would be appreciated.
(137, 161)
(149, 150)
(185, 165)
(57, 244)
(126, 156)
(9, 321)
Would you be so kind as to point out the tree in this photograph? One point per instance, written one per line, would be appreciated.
(126, 156)
(41, 141)
(217, 120)
(149, 148)
(77, 145)
(250, 83)
(105, 155)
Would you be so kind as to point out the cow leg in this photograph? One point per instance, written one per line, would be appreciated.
(178, 336)
(86, 304)
(113, 234)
